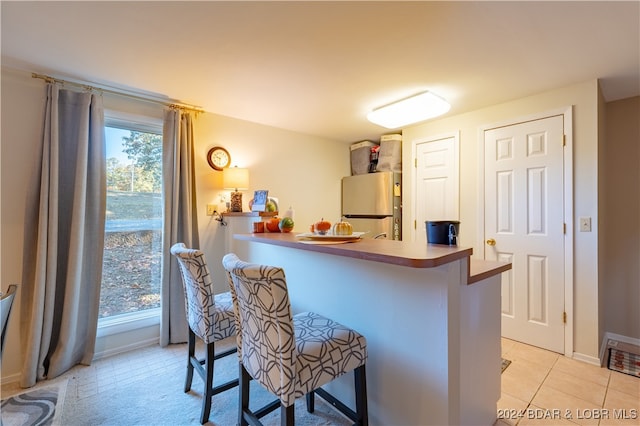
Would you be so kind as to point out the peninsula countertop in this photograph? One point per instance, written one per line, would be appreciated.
(402, 253)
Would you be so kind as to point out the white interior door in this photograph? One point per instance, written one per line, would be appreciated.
(436, 183)
(524, 225)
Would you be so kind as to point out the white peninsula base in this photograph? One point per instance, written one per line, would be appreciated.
(433, 340)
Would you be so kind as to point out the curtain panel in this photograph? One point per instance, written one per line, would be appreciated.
(180, 222)
(64, 238)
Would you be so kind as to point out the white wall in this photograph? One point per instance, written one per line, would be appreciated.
(302, 170)
(21, 128)
(584, 99)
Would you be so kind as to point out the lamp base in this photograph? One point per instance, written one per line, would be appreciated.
(236, 202)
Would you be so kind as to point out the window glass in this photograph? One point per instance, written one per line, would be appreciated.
(133, 228)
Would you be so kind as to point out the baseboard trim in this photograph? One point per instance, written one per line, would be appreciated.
(586, 358)
(10, 379)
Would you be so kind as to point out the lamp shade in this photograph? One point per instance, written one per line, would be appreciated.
(235, 178)
(410, 110)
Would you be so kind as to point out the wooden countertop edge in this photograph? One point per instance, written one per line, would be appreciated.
(483, 269)
(385, 250)
(391, 252)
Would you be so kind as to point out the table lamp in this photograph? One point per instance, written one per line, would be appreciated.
(236, 179)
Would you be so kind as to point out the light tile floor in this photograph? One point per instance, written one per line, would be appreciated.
(538, 388)
(545, 388)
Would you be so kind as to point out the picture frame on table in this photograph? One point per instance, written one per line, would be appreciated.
(260, 198)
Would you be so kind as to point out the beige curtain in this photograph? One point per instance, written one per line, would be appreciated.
(64, 238)
(180, 221)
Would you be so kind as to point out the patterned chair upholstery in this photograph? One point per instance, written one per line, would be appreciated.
(290, 356)
(6, 302)
(211, 318)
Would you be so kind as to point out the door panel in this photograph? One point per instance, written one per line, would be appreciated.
(537, 268)
(436, 183)
(536, 182)
(524, 215)
(508, 293)
(504, 200)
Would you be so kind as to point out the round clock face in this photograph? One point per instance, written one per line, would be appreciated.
(218, 158)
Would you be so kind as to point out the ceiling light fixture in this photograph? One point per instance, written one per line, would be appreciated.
(410, 110)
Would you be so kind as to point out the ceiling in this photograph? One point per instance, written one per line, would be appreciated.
(319, 67)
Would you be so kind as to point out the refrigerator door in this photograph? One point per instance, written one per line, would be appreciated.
(370, 194)
(374, 227)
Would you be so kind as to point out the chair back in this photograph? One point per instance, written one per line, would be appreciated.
(5, 309)
(266, 338)
(204, 319)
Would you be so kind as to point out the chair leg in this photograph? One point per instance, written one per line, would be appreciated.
(361, 396)
(311, 402)
(244, 395)
(287, 415)
(191, 345)
(208, 383)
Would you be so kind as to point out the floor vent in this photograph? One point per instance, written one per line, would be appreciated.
(623, 357)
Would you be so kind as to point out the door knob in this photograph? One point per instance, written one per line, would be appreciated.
(491, 242)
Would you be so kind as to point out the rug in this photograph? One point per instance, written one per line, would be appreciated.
(160, 400)
(505, 364)
(35, 407)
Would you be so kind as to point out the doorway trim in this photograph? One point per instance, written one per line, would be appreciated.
(567, 114)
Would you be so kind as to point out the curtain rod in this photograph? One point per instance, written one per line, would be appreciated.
(50, 79)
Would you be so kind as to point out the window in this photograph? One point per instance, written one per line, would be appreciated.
(131, 268)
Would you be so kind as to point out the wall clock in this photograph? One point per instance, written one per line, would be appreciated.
(218, 158)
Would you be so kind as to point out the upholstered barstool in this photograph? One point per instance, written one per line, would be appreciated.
(290, 356)
(211, 318)
(6, 302)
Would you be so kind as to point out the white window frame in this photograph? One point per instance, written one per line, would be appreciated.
(123, 323)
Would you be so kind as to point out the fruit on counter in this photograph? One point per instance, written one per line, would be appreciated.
(286, 224)
(271, 206)
(322, 227)
(273, 224)
(342, 228)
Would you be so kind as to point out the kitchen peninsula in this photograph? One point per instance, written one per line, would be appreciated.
(431, 317)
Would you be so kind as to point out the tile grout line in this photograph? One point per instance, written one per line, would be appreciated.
(539, 387)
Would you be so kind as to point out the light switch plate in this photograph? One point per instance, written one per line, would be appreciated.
(585, 224)
(211, 209)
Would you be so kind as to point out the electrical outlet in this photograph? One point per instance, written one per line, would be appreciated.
(585, 224)
(211, 209)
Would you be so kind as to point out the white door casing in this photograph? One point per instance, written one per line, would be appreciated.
(436, 183)
(524, 215)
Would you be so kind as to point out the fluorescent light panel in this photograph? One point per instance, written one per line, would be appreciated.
(410, 110)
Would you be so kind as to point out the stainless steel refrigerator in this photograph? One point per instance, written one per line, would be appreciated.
(372, 203)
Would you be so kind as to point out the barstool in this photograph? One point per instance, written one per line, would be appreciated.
(290, 356)
(6, 302)
(210, 317)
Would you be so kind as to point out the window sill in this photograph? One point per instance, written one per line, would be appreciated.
(128, 322)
